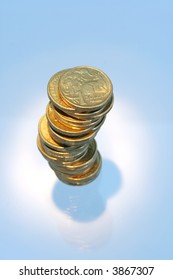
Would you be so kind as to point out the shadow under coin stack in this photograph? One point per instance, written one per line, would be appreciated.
(80, 98)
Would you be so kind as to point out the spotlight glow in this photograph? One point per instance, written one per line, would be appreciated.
(124, 139)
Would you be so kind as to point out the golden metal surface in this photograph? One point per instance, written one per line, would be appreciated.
(84, 178)
(43, 152)
(96, 114)
(72, 141)
(85, 88)
(48, 140)
(80, 98)
(82, 165)
(73, 121)
(54, 95)
(59, 162)
(65, 156)
(87, 159)
(46, 137)
(60, 127)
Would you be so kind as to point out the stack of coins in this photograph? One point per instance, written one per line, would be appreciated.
(80, 98)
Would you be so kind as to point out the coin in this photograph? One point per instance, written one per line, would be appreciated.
(80, 165)
(57, 161)
(70, 156)
(85, 178)
(46, 137)
(48, 140)
(60, 127)
(42, 151)
(86, 159)
(85, 88)
(73, 121)
(96, 114)
(64, 170)
(71, 141)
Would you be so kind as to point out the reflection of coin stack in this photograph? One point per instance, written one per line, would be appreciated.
(80, 98)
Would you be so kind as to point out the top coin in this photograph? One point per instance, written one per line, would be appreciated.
(85, 88)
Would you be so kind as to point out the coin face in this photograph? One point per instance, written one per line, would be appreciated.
(85, 88)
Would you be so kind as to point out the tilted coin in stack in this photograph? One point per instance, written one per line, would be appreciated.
(80, 98)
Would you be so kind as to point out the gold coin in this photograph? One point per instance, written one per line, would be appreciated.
(54, 95)
(85, 88)
(69, 156)
(81, 166)
(42, 151)
(61, 128)
(64, 170)
(46, 137)
(86, 160)
(58, 161)
(97, 127)
(73, 121)
(83, 178)
(48, 140)
(71, 141)
(96, 114)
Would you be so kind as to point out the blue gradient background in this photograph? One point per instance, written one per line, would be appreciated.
(127, 213)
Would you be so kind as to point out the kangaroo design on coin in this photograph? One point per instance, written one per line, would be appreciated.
(85, 87)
